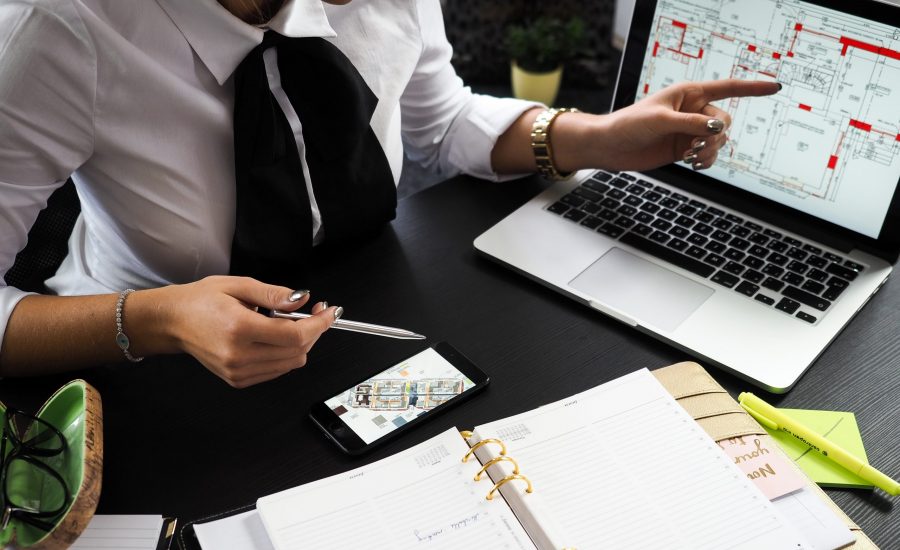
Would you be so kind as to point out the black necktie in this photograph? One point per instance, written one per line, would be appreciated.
(351, 178)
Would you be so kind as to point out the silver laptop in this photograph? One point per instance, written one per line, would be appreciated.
(757, 263)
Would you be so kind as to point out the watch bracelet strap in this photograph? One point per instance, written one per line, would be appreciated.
(541, 144)
(122, 341)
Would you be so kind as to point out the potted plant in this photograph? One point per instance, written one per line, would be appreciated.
(538, 51)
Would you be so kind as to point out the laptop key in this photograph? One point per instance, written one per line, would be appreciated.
(773, 284)
(572, 200)
(721, 236)
(617, 194)
(677, 244)
(806, 317)
(574, 215)
(680, 197)
(650, 207)
(697, 204)
(777, 259)
(667, 214)
(806, 298)
(832, 293)
(662, 190)
(787, 305)
(725, 279)
(817, 275)
(812, 249)
(715, 211)
(591, 208)
(773, 270)
(632, 200)
(854, 266)
(704, 217)
(669, 202)
(777, 246)
(679, 231)
(697, 239)
(642, 230)
(739, 243)
(734, 254)
(758, 251)
(764, 299)
(772, 234)
(659, 237)
(791, 241)
(758, 238)
(684, 221)
(611, 230)
(626, 210)
(610, 203)
(838, 282)
(841, 271)
(667, 254)
(721, 223)
(703, 229)
(752, 226)
(608, 215)
(636, 189)
(734, 268)
(715, 246)
(645, 183)
(747, 288)
(753, 262)
(644, 217)
(588, 194)
(596, 186)
(652, 196)
(591, 222)
(686, 209)
(695, 252)
(619, 183)
(628, 177)
(753, 276)
(602, 176)
(796, 254)
(558, 208)
(734, 219)
(662, 225)
(625, 222)
(797, 267)
(817, 261)
(792, 278)
(812, 286)
(740, 231)
(714, 260)
(833, 257)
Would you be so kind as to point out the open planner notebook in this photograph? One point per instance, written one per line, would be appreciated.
(621, 465)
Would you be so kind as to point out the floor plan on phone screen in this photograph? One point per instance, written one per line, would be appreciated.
(830, 139)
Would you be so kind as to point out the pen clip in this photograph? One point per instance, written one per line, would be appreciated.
(766, 422)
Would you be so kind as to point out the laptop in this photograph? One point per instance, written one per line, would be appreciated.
(757, 263)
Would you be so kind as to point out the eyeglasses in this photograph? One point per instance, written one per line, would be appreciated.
(32, 491)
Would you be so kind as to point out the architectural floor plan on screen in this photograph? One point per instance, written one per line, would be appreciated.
(399, 394)
(829, 142)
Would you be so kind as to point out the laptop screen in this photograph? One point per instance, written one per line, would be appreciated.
(828, 144)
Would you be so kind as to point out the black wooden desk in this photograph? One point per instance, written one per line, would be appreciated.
(181, 442)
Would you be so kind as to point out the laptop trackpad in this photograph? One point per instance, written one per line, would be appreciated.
(649, 294)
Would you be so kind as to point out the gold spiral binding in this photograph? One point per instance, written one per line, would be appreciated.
(493, 461)
(466, 434)
(511, 477)
(484, 442)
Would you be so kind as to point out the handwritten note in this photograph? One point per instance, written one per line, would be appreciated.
(764, 465)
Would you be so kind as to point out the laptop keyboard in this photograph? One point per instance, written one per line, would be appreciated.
(776, 270)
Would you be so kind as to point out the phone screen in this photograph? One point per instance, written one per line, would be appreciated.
(399, 395)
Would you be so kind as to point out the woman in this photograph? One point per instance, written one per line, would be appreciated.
(135, 101)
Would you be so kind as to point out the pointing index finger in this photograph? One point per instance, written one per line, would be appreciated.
(715, 90)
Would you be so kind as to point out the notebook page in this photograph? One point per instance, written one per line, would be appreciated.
(423, 497)
(244, 531)
(120, 531)
(624, 466)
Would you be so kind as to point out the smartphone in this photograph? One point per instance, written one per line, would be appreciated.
(397, 399)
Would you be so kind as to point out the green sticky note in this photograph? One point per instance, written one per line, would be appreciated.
(837, 426)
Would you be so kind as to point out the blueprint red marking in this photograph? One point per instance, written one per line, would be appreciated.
(850, 42)
(898, 137)
(790, 54)
(751, 47)
(679, 24)
(832, 162)
(861, 125)
(646, 88)
(700, 55)
(805, 107)
(776, 55)
(768, 74)
(798, 27)
(655, 48)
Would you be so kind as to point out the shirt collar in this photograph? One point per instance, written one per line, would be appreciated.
(221, 40)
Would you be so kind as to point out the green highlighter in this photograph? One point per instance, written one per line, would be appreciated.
(776, 420)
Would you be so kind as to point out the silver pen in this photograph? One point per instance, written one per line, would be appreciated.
(355, 326)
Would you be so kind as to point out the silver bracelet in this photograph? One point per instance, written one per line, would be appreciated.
(121, 340)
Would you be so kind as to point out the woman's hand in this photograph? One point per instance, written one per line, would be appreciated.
(675, 124)
(215, 320)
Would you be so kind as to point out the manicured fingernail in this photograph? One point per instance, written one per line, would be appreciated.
(780, 86)
(697, 166)
(699, 144)
(338, 312)
(297, 295)
(324, 305)
(689, 157)
(715, 125)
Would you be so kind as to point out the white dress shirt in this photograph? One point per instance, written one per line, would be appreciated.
(133, 99)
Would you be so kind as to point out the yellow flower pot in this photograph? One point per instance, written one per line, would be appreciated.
(541, 87)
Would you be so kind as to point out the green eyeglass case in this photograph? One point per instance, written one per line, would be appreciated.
(75, 410)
